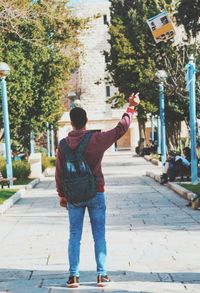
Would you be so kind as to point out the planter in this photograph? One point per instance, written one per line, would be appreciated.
(195, 204)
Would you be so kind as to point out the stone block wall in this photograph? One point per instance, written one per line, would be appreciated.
(93, 66)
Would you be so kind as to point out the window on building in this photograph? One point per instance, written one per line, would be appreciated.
(106, 57)
(105, 19)
(107, 91)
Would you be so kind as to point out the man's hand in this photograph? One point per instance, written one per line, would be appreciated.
(134, 100)
(63, 202)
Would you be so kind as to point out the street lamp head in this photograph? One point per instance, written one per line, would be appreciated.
(77, 103)
(71, 96)
(161, 75)
(4, 69)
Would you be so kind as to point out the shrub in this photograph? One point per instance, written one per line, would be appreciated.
(47, 162)
(2, 164)
(21, 169)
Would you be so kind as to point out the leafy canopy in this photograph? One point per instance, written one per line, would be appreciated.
(39, 42)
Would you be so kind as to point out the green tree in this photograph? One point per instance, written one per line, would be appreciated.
(188, 14)
(39, 43)
(134, 58)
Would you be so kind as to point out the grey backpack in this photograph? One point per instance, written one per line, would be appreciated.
(79, 183)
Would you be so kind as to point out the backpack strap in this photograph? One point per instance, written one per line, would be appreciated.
(65, 148)
(79, 150)
(81, 147)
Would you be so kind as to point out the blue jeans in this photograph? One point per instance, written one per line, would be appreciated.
(97, 210)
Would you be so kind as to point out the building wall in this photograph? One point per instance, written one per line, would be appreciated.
(92, 75)
(128, 141)
(93, 66)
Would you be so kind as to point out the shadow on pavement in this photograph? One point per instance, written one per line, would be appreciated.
(52, 276)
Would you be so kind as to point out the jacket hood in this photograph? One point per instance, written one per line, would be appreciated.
(74, 138)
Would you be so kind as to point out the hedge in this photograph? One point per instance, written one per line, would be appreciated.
(47, 162)
(21, 169)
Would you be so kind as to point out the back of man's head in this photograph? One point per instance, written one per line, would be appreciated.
(78, 117)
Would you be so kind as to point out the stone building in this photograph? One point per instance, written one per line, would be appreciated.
(89, 82)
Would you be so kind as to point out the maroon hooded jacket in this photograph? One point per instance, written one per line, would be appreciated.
(97, 145)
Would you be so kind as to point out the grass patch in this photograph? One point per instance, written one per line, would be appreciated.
(6, 193)
(193, 188)
(23, 181)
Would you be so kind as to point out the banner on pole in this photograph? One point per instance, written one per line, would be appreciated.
(161, 27)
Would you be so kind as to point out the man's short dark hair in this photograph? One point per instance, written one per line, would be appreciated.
(78, 117)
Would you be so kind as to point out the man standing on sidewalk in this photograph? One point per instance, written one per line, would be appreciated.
(97, 145)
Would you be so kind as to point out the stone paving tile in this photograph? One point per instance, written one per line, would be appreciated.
(7, 275)
(153, 238)
(20, 284)
(134, 287)
(29, 290)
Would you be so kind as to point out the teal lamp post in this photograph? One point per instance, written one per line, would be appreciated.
(72, 97)
(191, 87)
(152, 128)
(52, 142)
(48, 139)
(32, 142)
(158, 135)
(4, 71)
(161, 77)
(74, 100)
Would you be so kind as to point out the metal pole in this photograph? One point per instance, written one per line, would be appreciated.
(72, 104)
(32, 142)
(48, 140)
(152, 128)
(162, 118)
(52, 142)
(9, 170)
(193, 119)
(159, 135)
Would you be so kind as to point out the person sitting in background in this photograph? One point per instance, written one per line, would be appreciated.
(177, 166)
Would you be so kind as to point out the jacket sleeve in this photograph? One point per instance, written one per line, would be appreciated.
(107, 138)
(58, 173)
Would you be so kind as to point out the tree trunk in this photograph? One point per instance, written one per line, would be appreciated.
(173, 135)
(142, 134)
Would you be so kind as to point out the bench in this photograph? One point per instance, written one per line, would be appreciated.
(6, 181)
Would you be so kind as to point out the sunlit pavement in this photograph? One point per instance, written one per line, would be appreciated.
(153, 238)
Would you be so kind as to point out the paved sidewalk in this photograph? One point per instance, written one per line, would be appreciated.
(153, 238)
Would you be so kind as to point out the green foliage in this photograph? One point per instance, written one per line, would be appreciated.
(21, 169)
(188, 14)
(38, 42)
(23, 181)
(47, 162)
(134, 58)
(6, 193)
(194, 188)
(117, 100)
(3, 166)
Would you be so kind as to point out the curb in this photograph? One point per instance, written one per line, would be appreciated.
(49, 172)
(32, 184)
(17, 196)
(175, 187)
